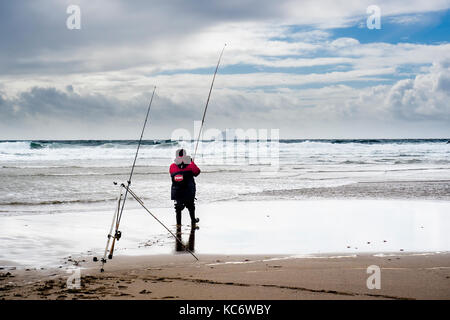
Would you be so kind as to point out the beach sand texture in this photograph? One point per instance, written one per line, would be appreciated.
(407, 276)
(407, 240)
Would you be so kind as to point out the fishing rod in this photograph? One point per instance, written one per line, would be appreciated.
(136, 155)
(117, 233)
(121, 203)
(207, 102)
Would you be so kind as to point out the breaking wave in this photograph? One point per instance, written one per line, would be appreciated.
(55, 202)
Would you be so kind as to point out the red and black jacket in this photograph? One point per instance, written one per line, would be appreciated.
(183, 183)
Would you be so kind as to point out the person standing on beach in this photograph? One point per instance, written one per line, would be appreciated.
(182, 172)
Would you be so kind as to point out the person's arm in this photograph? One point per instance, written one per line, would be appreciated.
(173, 168)
(195, 170)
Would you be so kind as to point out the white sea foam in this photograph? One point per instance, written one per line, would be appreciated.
(302, 152)
(59, 175)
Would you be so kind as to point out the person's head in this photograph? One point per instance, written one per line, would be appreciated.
(181, 157)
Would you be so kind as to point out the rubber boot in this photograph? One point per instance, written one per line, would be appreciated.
(191, 208)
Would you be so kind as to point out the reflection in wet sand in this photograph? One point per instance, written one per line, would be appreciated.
(181, 246)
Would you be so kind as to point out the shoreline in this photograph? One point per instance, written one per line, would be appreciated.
(250, 277)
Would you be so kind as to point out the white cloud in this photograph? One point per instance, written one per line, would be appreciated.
(406, 19)
(330, 14)
(426, 96)
(348, 43)
(422, 97)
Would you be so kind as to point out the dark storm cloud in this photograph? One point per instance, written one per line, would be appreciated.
(49, 113)
(68, 105)
(50, 103)
(54, 103)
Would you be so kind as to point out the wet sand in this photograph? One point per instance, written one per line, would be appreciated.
(384, 190)
(235, 228)
(179, 276)
(277, 250)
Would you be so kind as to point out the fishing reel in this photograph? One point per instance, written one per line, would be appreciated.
(117, 236)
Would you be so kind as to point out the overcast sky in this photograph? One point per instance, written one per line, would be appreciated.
(312, 69)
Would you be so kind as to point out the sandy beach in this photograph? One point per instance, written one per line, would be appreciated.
(322, 253)
(403, 276)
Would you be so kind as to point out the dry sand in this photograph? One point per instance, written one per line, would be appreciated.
(403, 276)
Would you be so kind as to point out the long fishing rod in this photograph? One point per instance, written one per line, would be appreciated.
(137, 151)
(207, 102)
(117, 233)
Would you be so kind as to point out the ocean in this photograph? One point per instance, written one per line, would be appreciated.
(253, 197)
(77, 176)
